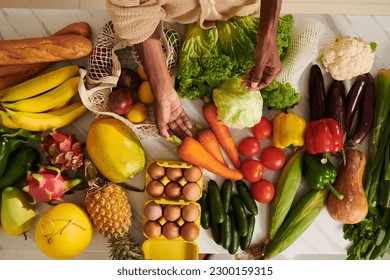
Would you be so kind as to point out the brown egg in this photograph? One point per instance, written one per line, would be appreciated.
(156, 171)
(190, 212)
(170, 230)
(191, 191)
(189, 231)
(192, 174)
(172, 212)
(153, 211)
(155, 188)
(174, 174)
(173, 190)
(152, 229)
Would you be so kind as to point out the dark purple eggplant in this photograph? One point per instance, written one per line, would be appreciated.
(317, 95)
(365, 114)
(352, 101)
(335, 101)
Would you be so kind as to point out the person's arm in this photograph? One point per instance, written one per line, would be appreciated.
(169, 113)
(267, 60)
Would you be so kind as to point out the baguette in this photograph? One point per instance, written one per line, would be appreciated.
(11, 75)
(44, 49)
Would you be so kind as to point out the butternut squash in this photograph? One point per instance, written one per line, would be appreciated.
(353, 208)
(115, 150)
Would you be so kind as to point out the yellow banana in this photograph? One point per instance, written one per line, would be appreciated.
(48, 120)
(39, 84)
(6, 120)
(48, 100)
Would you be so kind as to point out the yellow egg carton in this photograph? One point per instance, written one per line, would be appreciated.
(163, 227)
(173, 180)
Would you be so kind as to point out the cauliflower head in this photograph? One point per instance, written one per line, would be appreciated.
(348, 57)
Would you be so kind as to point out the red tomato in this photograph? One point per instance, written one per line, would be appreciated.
(263, 129)
(263, 191)
(273, 158)
(249, 146)
(252, 170)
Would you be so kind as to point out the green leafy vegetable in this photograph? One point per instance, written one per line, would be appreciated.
(209, 57)
(237, 107)
(371, 237)
(201, 65)
(283, 33)
(280, 96)
(235, 43)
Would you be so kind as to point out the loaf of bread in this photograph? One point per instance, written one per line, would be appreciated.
(44, 49)
(13, 74)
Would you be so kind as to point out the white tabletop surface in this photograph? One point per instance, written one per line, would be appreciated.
(323, 239)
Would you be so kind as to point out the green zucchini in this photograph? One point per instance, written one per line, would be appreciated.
(246, 197)
(18, 165)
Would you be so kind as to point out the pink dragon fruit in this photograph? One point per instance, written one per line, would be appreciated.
(48, 184)
(63, 150)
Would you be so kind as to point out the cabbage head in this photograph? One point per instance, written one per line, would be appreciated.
(236, 106)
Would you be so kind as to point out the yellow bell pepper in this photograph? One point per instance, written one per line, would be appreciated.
(288, 130)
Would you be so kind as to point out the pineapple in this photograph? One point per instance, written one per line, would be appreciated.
(125, 248)
(110, 213)
(107, 205)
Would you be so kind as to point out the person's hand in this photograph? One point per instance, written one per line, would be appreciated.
(171, 119)
(267, 65)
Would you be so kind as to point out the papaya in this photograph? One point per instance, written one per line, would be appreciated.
(115, 150)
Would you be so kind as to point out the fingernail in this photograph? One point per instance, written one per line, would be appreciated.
(254, 85)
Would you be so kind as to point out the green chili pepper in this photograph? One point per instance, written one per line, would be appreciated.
(319, 175)
(5, 151)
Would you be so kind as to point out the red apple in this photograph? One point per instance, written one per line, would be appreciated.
(121, 100)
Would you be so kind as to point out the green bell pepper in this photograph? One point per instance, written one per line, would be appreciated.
(319, 175)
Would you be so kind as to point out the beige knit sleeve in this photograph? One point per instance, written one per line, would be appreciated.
(135, 20)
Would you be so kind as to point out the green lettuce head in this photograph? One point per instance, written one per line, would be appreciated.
(237, 107)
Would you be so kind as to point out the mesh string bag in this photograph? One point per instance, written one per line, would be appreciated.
(111, 53)
(308, 40)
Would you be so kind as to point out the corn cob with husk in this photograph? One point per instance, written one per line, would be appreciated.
(288, 223)
(286, 187)
(297, 221)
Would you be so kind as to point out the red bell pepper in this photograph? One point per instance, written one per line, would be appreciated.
(324, 136)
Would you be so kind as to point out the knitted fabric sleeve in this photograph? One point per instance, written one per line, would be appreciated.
(135, 20)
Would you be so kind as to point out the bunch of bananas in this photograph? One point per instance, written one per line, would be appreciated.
(43, 102)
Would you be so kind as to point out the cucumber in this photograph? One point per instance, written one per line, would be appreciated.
(239, 214)
(215, 203)
(215, 231)
(247, 197)
(226, 194)
(18, 165)
(226, 232)
(204, 210)
(245, 241)
(235, 242)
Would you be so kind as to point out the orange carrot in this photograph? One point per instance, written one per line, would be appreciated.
(222, 133)
(209, 141)
(193, 152)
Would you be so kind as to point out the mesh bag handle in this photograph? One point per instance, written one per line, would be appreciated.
(110, 53)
